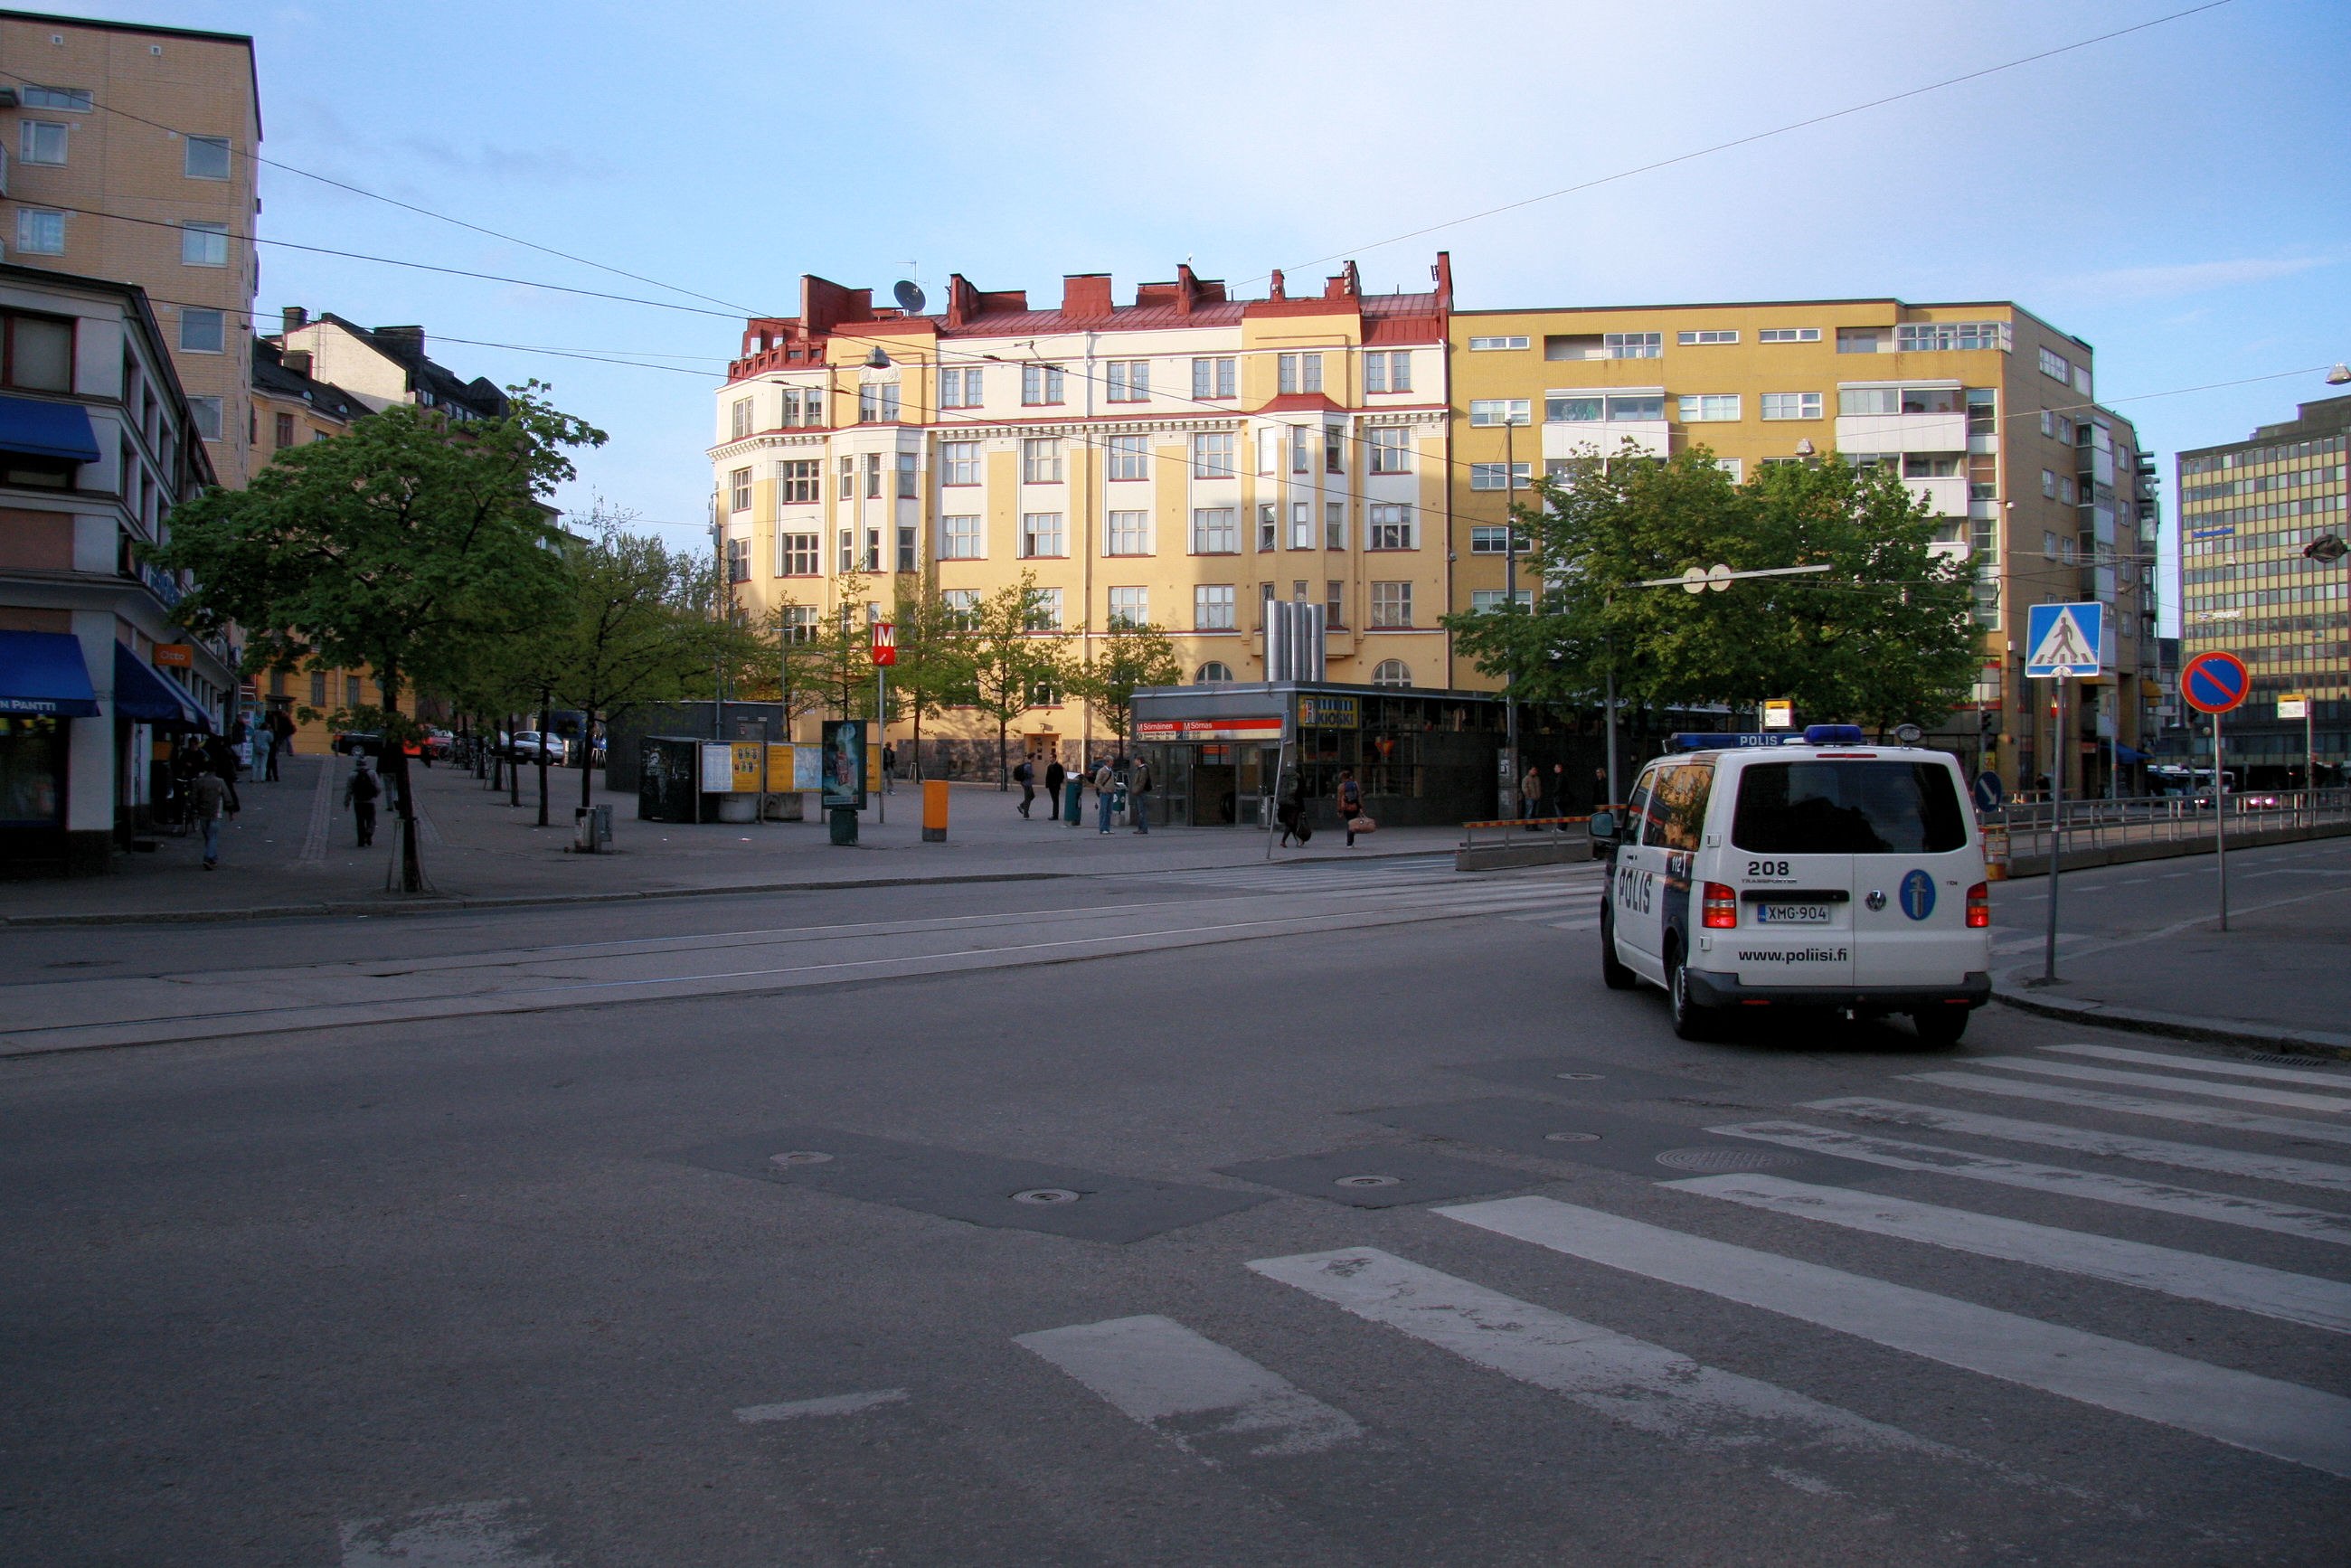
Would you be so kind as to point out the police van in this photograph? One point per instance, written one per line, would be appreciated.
(1752, 874)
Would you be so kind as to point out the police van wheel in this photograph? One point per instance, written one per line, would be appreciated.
(1614, 975)
(1940, 1026)
(1691, 1021)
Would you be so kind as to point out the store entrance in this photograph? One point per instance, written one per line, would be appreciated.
(1216, 786)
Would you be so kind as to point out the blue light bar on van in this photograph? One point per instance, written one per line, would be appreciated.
(1737, 739)
(1834, 735)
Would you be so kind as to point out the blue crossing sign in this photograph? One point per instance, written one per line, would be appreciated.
(2065, 640)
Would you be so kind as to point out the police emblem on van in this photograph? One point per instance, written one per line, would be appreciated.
(1917, 895)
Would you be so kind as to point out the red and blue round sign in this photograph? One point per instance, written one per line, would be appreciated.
(2214, 683)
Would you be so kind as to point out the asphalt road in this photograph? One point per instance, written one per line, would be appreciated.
(1396, 1238)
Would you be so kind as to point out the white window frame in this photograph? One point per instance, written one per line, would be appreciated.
(738, 490)
(1043, 535)
(1216, 530)
(1129, 457)
(1633, 345)
(1788, 335)
(1483, 600)
(30, 238)
(1334, 525)
(1393, 673)
(1301, 524)
(1691, 338)
(1298, 372)
(1497, 345)
(189, 147)
(1391, 449)
(1495, 411)
(1708, 408)
(739, 414)
(1488, 476)
(1212, 455)
(1042, 386)
(1792, 405)
(34, 137)
(2055, 366)
(1126, 380)
(800, 547)
(1858, 402)
(963, 536)
(1130, 607)
(959, 462)
(196, 314)
(1215, 607)
(1044, 611)
(202, 243)
(1391, 526)
(1126, 533)
(1041, 460)
(1391, 605)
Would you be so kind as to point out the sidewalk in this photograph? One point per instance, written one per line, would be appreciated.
(291, 852)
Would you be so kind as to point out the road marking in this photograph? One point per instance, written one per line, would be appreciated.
(2190, 1276)
(1191, 1390)
(2285, 1099)
(2208, 1064)
(462, 1535)
(2287, 1220)
(2284, 1168)
(1646, 1386)
(830, 1404)
(2284, 1420)
(2133, 1105)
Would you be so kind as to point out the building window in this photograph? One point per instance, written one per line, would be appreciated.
(202, 332)
(878, 403)
(962, 605)
(1574, 409)
(39, 353)
(1044, 609)
(1633, 345)
(798, 481)
(1334, 603)
(1129, 457)
(318, 688)
(1388, 372)
(1792, 405)
(1929, 465)
(40, 233)
(1214, 671)
(1789, 335)
(961, 538)
(1391, 607)
(205, 157)
(208, 416)
(1494, 345)
(283, 432)
(1212, 607)
(1040, 534)
(1041, 384)
(1129, 533)
(1334, 525)
(1269, 525)
(1861, 340)
(1299, 372)
(1488, 476)
(847, 556)
(1216, 530)
(73, 100)
(1708, 408)
(2048, 486)
(1130, 607)
(1212, 455)
(799, 555)
(1301, 451)
(1040, 461)
(1128, 381)
(959, 462)
(1389, 527)
(1391, 451)
(1932, 337)
(1858, 401)
(872, 464)
(41, 142)
(1301, 524)
(798, 622)
(906, 561)
(1499, 411)
(907, 477)
(738, 560)
(1216, 377)
(1636, 408)
(2054, 366)
(1734, 467)
(1704, 336)
(812, 406)
(959, 388)
(738, 490)
(1335, 449)
(1483, 599)
(1493, 540)
(741, 424)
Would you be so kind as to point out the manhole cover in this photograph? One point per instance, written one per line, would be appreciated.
(1713, 1161)
(1368, 1181)
(799, 1157)
(1570, 1137)
(1579, 1077)
(1044, 1194)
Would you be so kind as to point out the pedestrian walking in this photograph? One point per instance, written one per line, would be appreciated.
(209, 792)
(1105, 785)
(1530, 790)
(1138, 784)
(264, 753)
(1026, 777)
(1290, 810)
(1351, 802)
(1054, 774)
(890, 769)
(359, 792)
(220, 759)
(1600, 788)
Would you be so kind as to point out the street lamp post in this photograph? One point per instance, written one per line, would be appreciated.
(2328, 549)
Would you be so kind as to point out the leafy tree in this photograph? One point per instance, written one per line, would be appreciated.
(1131, 656)
(1013, 654)
(791, 661)
(413, 545)
(934, 670)
(843, 657)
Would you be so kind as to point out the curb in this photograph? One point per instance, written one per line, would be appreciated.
(2180, 1025)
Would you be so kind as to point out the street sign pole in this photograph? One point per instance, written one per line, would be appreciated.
(880, 739)
(2063, 642)
(2214, 684)
(2056, 835)
(2219, 822)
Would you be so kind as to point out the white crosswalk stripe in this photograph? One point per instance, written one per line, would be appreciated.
(2284, 1099)
(1564, 899)
(2338, 1080)
(2285, 1420)
(2140, 1106)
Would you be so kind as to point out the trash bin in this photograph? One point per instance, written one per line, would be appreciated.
(591, 828)
(844, 820)
(1073, 803)
(935, 812)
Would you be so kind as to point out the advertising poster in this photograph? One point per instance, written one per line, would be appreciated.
(807, 767)
(844, 763)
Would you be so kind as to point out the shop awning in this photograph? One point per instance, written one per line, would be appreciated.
(141, 694)
(47, 430)
(2129, 753)
(42, 673)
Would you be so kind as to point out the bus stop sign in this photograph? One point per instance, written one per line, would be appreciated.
(2214, 683)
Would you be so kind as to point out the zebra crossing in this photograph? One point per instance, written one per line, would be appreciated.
(1560, 898)
(1654, 1378)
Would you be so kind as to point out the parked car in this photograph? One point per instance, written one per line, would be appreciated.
(358, 742)
(438, 742)
(526, 746)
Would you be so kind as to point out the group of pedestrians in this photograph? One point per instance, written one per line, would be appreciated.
(1119, 784)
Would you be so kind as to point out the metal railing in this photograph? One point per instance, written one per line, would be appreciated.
(2087, 825)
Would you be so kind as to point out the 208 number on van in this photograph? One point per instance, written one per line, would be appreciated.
(1767, 868)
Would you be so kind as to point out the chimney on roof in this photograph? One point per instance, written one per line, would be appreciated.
(409, 338)
(297, 360)
(1085, 294)
(295, 318)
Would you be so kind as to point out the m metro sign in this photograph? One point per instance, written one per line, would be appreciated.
(885, 642)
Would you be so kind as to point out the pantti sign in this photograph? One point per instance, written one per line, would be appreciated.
(1266, 728)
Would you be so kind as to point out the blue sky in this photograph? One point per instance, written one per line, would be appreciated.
(2177, 197)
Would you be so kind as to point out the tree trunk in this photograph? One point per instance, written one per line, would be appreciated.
(543, 717)
(514, 768)
(411, 868)
(586, 753)
(918, 743)
(1003, 772)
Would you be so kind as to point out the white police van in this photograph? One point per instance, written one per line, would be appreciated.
(1757, 872)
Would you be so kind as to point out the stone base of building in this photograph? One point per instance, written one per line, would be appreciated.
(29, 853)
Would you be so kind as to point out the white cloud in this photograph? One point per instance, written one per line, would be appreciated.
(2193, 276)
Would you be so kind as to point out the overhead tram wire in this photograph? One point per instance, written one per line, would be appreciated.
(1788, 128)
(411, 206)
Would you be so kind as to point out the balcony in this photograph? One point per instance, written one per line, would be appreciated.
(1902, 432)
(1565, 438)
(1944, 498)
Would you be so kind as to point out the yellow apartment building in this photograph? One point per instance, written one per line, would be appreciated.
(129, 155)
(1986, 410)
(1179, 459)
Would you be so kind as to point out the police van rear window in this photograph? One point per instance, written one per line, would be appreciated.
(1847, 808)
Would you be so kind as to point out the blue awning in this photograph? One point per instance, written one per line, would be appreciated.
(47, 430)
(142, 695)
(42, 672)
(2129, 753)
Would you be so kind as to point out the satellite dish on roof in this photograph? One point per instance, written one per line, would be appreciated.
(910, 297)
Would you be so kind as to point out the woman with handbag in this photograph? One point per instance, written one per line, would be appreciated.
(1350, 805)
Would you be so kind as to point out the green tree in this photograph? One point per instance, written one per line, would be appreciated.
(843, 660)
(934, 670)
(413, 545)
(1014, 654)
(792, 661)
(1129, 657)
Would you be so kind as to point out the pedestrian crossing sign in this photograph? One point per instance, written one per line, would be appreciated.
(2065, 640)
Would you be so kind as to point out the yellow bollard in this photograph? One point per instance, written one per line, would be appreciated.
(935, 812)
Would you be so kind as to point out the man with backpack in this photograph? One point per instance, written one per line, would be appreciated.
(1105, 794)
(1138, 784)
(1025, 775)
(359, 793)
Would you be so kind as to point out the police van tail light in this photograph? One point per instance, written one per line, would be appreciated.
(1980, 904)
(1720, 907)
